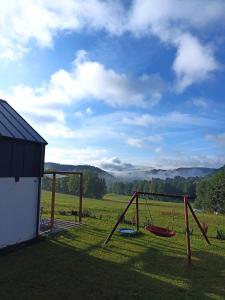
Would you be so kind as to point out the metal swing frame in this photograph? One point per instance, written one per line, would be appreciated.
(187, 208)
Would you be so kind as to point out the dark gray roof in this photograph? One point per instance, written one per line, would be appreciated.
(12, 125)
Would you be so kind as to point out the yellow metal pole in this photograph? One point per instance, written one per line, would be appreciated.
(81, 198)
(53, 200)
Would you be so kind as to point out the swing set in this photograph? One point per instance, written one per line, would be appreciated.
(161, 231)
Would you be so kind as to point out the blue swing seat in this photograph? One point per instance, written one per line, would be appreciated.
(127, 231)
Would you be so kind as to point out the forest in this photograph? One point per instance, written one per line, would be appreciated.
(93, 186)
(177, 185)
(209, 192)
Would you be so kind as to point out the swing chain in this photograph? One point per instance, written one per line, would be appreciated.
(149, 220)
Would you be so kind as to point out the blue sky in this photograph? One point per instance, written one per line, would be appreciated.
(118, 84)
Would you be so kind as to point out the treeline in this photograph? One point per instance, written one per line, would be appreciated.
(93, 186)
(177, 185)
(211, 192)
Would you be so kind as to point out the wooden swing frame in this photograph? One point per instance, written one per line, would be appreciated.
(54, 173)
(187, 208)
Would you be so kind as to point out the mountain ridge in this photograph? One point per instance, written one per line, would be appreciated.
(80, 168)
(140, 174)
(135, 174)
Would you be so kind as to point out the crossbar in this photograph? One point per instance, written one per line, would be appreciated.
(62, 173)
(164, 195)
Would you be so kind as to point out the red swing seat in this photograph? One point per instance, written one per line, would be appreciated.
(160, 231)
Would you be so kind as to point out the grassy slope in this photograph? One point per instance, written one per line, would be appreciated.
(75, 265)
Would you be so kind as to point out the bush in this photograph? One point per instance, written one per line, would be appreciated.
(220, 234)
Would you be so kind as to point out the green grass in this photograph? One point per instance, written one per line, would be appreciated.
(75, 265)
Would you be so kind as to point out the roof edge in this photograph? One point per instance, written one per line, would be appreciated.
(44, 142)
(9, 138)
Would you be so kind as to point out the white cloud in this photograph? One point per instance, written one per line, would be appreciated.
(183, 118)
(135, 142)
(82, 114)
(193, 63)
(177, 160)
(79, 114)
(143, 141)
(172, 118)
(140, 120)
(88, 80)
(115, 164)
(89, 111)
(22, 22)
(154, 138)
(172, 21)
(142, 17)
(200, 102)
(100, 158)
(37, 109)
(88, 155)
(218, 138)
(158, 149)
(163, 17)
(56, 129)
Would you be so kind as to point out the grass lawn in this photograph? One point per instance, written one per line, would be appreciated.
(75, 265)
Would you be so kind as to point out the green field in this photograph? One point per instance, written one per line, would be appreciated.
(74, 264)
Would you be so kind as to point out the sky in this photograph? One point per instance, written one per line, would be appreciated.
(118, 84)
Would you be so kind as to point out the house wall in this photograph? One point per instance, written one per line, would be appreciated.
(21, 158)
(18, 210)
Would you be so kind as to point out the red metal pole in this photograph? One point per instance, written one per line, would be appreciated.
(120, 218)
(187, 230)
(137, 212)
(198, 223)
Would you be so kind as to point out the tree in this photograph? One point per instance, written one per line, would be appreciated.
(73, 185)
(211, 192)
(94, 186)
(46, 183)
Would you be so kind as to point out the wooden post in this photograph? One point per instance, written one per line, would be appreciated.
(120, 218)
(198, 223)
(137, 212)
(53, 200)
(81, 198)
(187, 230)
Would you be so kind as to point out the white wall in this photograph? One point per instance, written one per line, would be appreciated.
(18, 210)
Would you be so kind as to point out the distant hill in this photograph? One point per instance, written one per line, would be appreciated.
(221, 169)
(135, 174)
(217, 171)
(80, 168)
(163, 174)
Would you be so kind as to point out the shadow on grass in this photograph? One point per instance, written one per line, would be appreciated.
(54, 269)
(205, 277)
